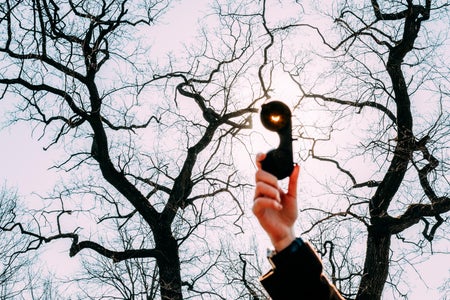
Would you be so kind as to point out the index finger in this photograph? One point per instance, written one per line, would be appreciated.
(292, 187)
(259, 158)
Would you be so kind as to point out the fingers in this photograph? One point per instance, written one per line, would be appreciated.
(268, 191)
(262, 204)
(266, 185)
(259, 158)
(292, 187)
(270, 187)
(266, 177)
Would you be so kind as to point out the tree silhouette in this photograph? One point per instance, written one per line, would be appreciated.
(386, 68)
(151, 148)
(67, 61)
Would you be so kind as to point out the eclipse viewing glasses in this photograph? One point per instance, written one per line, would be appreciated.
(276, 116)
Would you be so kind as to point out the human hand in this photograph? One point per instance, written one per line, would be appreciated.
(275, 209)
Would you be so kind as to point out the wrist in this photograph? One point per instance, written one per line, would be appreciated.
(282, 243)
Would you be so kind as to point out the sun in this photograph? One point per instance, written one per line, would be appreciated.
(275, 118)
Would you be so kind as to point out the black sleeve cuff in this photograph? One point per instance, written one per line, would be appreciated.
(297, 270)
(298, 256)
(279, 258)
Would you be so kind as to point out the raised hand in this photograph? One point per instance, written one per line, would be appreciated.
(275, 209)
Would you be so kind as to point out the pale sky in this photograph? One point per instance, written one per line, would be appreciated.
(26, 166)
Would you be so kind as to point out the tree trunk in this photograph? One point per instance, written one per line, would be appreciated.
(376, 265)
(169, 267)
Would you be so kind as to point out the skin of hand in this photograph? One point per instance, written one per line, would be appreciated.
(275, 209)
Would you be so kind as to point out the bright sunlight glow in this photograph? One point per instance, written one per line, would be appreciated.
(275, 118)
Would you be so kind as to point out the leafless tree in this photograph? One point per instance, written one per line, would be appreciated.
(148, 147)
(383, 125)
(11, 265)
(20, 277)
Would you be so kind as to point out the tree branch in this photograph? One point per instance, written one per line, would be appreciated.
(116, 256)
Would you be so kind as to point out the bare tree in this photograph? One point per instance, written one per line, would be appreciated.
(130, 279)
(150, 148)
(11, 265)
(20, 277)
(88, 86)
(387, 146)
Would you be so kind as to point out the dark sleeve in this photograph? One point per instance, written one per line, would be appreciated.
(297, 270)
